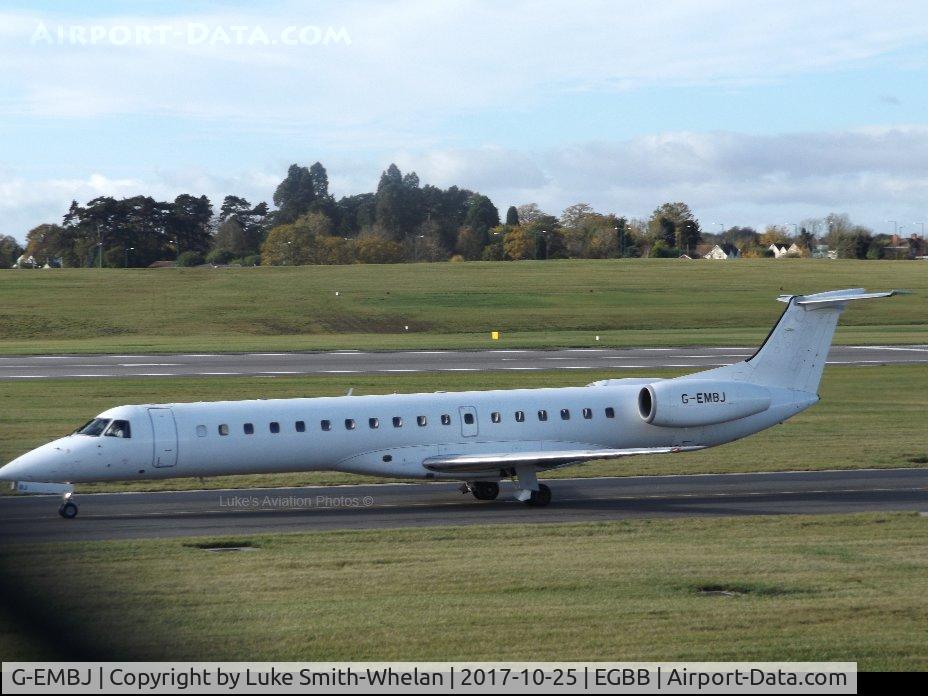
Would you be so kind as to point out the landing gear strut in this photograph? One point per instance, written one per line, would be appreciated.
(484, 490)
(529, 491)
(68, 509)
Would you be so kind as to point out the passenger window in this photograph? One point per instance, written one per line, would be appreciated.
(249, 429)
(610, 412)
(565, 414)
(275, 427)
(326, 425)
(469, 418)
(495, 417)
(520, 416)
(445, 419)
(397, 422)
(118, 428)
(350, 424)
(588, 413)
(542, 415)
(201, 431)
(300, 426)
(422, 421)
(223, 429)
(374, 423)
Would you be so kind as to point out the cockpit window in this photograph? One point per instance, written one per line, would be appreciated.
(118, 428)
(94, 427)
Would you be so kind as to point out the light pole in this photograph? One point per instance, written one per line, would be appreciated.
(100, 253)
(895, 226)
(415, 247)
(289, 253)
(127, 250)
(923, 227)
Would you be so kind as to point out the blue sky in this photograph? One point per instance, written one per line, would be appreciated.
(753, 113)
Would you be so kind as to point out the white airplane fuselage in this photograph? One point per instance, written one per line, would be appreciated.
(171, 440)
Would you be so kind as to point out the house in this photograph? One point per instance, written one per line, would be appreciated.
(778, 251)
(722, 252)
(822, 251)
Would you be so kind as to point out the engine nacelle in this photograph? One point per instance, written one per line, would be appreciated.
(693, 402)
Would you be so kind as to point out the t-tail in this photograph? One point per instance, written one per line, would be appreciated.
(795, 351)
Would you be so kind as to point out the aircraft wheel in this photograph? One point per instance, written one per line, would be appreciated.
(541, 497)
(68, 510)
(485, 490)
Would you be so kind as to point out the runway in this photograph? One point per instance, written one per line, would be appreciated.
(275, 510)
(399, 362)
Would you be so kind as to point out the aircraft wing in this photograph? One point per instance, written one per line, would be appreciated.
(485, 462)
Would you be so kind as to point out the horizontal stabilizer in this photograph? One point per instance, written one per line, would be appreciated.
(454, 463)
(835, 297)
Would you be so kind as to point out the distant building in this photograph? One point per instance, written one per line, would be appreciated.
(722, 253)
(822, 251)
(778, 251)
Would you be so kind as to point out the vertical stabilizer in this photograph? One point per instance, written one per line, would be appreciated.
(796, 349)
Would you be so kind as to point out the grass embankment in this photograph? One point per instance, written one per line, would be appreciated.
(847, 588)
(535, 304)
(868, 417)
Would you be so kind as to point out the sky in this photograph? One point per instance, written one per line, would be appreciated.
(752, 113)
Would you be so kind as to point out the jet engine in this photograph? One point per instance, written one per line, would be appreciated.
(693, 402)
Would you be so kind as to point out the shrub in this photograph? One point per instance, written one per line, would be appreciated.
(190, 258)
(219, 257)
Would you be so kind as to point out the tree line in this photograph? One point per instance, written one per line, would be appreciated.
(403, 220)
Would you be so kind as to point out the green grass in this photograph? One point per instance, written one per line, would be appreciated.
(848, 588)
(868, 417)
(538, 304)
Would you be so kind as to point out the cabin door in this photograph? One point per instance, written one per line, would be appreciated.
(469, 427)
(164, 435)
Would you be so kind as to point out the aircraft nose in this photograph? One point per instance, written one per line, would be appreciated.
(40, 464)
(16, 470)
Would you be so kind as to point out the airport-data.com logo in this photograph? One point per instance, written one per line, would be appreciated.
(188, 34)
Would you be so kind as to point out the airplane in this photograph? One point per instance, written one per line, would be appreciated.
(476, 437)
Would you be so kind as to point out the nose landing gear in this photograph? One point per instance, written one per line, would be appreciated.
(68, 509)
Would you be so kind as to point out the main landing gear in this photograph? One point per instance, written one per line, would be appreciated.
(68, 509)
(484, 490)
(539, 498)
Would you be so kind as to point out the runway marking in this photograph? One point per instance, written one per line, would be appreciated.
(218, 373)
(137, 365)
(280, 372)
(917, 349)
(25, 376)
(339, 372)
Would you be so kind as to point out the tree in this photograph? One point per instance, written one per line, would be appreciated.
(250, 219)
(528, 213)
(10, 251)
(573, 216)
(378, 248)
(512, 216)
(775, 234)
(188, 221)
(294, 195)
(667, 218)
(297, 243)
(519, 244)
(230, 237)
(482, 215)
(470, 243)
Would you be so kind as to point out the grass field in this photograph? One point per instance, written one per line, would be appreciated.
(446, 305)
(868, 417)
(847, 588)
